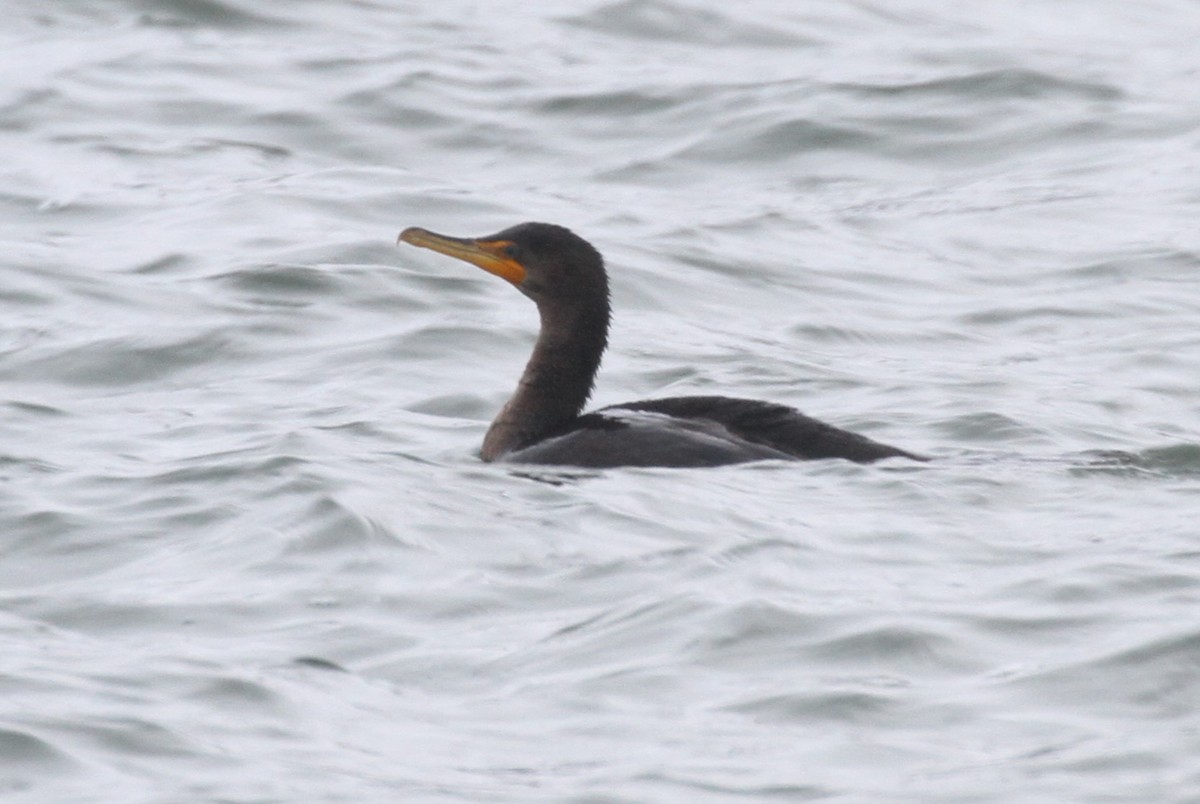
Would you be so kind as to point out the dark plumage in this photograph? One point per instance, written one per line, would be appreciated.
(564, 275)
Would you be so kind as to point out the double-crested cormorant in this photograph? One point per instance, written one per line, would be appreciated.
(543, 421)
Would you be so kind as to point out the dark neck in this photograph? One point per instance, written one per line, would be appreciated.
(557, 380)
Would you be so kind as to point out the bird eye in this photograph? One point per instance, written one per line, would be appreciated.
(512, 251)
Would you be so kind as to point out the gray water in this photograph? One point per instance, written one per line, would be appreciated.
(247, 550)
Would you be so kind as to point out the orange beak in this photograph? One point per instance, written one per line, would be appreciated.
(487, 254)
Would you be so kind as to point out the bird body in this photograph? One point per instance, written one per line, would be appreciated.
(543, 423)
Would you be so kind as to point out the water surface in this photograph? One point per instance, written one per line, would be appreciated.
(249, 553)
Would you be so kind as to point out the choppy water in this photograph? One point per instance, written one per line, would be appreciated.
(247, 552)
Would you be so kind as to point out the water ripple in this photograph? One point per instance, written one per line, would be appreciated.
(241, 427)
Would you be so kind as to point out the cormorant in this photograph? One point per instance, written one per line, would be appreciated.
(543, 422)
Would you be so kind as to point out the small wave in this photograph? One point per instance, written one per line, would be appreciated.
(118, 362)
(671, 22)
(988, 85)
(1174, 460)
